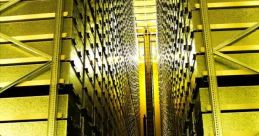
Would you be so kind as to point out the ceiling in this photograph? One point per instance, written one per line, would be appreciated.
(145, 19)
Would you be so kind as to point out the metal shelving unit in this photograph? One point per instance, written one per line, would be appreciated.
(63, 55)
(208, 67)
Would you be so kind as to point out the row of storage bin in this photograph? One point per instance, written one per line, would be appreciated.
(187, 109)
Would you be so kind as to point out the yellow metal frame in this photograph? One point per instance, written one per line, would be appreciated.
(23, 46)
(230, 4)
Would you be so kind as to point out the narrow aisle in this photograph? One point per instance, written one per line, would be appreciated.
(146, 25)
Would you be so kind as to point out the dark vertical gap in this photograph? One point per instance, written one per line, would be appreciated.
(149, 88)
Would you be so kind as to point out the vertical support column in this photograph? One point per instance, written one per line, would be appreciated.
(149, 88)
(214, 98)
(55, 70)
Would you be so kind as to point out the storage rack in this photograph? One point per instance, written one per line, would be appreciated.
(208, 68)
(95, 90)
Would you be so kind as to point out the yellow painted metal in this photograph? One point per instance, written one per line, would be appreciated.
(228, 26)
(141, 30)
(29, 17)
(37, 128)
(234, 124)
(156, 99)
(229, 73)
(213, 87)
(148, 10)
(141, 3)
(32, 83)
(34, 37)
(142, 95)
(152, 40)
(14, 109)
(145, 16)
(231, 4)
(237, 48)
(67, 75)
(151, 23)
(232, 98)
